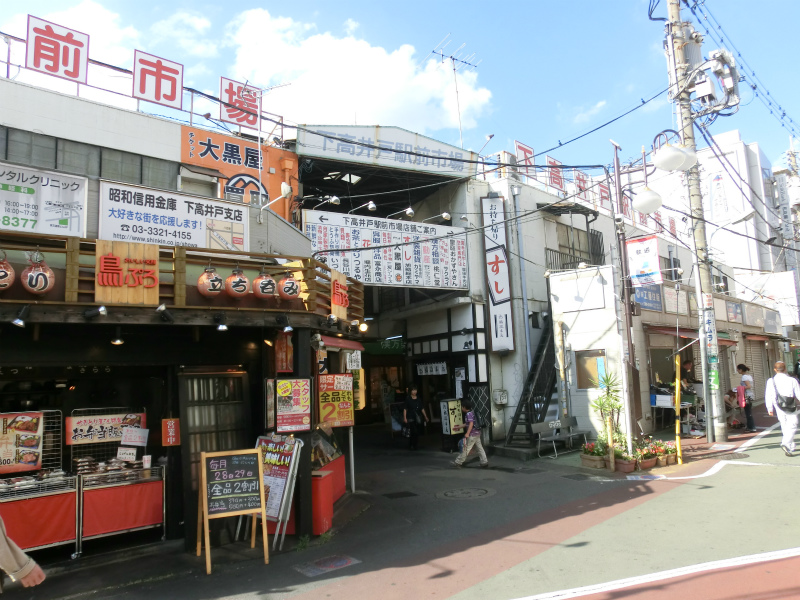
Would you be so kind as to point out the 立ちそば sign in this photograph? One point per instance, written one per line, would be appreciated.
(21, 441)
(98, 429)
(336, 400)
(126, 273)
(34, 201)
(498, 277)
(643, 261)
(141, 215)
(170, 432)
(407, 258)
(294, 404)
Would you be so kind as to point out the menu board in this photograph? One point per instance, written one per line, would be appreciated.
(232, 483)
(336, 400)
(278, 452)
(21, 441)
(294, 404)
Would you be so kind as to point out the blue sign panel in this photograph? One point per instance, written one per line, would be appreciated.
(649, 297)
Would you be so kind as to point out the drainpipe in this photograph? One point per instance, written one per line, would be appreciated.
(521, 255)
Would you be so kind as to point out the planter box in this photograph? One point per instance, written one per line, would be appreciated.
(672, 459)
(647, 463)
(622, 466)
(592, 462)
(661, 460)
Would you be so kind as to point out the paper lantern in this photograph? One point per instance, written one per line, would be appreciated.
(38, 278)
(264, 286)
(7, 274)
(210, 284)
(237, 285)
(289, 288)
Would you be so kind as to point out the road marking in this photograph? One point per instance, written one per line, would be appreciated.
(670, 574)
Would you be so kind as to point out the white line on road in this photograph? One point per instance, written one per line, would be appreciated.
(670, 574)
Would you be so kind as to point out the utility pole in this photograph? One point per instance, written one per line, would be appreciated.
(714, 401)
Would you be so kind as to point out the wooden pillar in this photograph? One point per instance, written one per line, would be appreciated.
(73, 263)
(179, 275)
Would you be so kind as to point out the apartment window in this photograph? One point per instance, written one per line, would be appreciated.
(720, 284)
(32, 149)
(121, 166)
(667, 270)
(158, 173)
(573, 241)
(81, 159)
(590, 365)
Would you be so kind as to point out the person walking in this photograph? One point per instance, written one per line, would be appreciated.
(413, 413)
(781, 397)
(472, 437)
(749, 396)
(19, 566)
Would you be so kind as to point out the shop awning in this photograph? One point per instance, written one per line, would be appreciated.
(687, 333)
(337, 342)
(757, 338)
(204, 171)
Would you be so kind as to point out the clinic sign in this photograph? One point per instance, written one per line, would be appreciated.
(389, 252)
(498, 275)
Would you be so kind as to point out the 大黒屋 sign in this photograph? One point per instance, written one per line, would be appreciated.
(336, 400)
(98, 429)
(643, 261)
(21, 441)
(438, 263)
(136, 214)
(294, 404)
(498, 277)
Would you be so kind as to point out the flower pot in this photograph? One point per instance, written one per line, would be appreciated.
(647, 463)
(661, 460)
(592, 462)
(625, 466)
(672, 459)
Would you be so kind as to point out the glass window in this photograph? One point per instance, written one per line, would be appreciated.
(31, 149)
(590, 366)
(161, 174)
(75, 157)
(121, 166)
(3, 141)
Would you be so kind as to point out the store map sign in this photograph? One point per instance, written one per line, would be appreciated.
(147, 216)
(35, 201)
(405, 257)
(294, 405)
(336, 400)
(21, 441)
(498, 276)
(126, 273)
(390, 147)
(100, 429)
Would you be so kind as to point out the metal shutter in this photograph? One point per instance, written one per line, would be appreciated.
(756, 358)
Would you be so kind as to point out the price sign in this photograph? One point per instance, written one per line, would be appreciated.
(336, 400)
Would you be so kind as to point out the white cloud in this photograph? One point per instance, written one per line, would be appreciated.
(350, 26)
(584, 115)
(346, 80)
(185, 30)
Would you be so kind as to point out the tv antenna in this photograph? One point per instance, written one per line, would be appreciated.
(458, 61)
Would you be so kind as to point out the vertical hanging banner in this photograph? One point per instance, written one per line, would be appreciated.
(284, 353)
(643, 261)
(336, 400)
(498, 276)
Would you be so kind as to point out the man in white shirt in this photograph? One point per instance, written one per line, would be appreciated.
(788, 387)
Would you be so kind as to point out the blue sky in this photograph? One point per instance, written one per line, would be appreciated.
(549, 70)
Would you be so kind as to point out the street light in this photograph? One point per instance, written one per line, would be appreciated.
(445, 216)
(329, 199)
(409, 212)
(286, 191)
(371, 207)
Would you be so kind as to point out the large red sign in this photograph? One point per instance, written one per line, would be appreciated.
(170, 432)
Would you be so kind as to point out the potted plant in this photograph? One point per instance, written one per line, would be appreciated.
(624, 462)
(608, 406)
(671, 450)
(592, 455)
(646, 454)
(661, 453)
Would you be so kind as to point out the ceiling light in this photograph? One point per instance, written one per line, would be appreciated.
(332, 320)
(444, 216)
(165, 315)
(219, 320)
(363, 327)
(409, 212)
(268, 342)
(118, 341)
(288, 329)
(371, 206)
(22, 314)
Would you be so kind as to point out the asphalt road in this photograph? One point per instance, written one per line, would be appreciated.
(542, 529)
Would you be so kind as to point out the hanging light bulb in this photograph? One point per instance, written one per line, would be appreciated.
(647, 201)
(690, 159)
(669, 157)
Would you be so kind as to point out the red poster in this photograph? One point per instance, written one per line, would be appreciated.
(21, 442)
(284, 353)
(336, 400)
(170, 432)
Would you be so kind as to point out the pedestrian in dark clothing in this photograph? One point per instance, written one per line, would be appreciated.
(749, 396)
(413, 413)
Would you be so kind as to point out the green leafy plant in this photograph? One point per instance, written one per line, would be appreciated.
(326, 537)
(302, 543)
(608, 404)
(670, 448)
(595, 448)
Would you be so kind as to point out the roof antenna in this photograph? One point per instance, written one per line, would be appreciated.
(458, 61)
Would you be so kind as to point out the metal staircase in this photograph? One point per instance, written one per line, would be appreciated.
(537, 392)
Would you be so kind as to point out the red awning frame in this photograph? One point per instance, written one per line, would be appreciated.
(691, 334)
(757, 337)
(337, 342)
